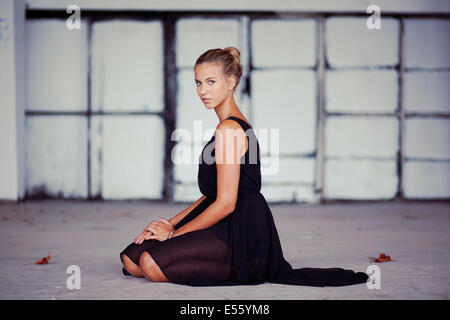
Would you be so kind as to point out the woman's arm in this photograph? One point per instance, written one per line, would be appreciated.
(228, 173)
(174, 221)
(215, 212)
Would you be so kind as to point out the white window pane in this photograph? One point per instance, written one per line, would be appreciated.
(426, 91)
(186, 193)
(185, 159)
(427, 43)
(361, 136)
(426, 179)
(56, 156)
(195, 36)
(427, 138)
(292, 170)
(360, 179)
(132, 157)
(350, 43)
(288, 193)
(127, 66)
(284, 42)
(357, 91)
(285, 101)
(57, 66)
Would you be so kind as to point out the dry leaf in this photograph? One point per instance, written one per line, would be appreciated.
(382, 258)
(44, 260)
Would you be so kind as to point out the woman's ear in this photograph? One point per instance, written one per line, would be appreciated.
(231, 82)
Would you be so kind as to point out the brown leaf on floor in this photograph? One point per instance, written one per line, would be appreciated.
(382, 258)
(44, 260)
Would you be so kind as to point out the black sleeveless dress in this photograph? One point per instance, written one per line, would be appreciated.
(244, 247)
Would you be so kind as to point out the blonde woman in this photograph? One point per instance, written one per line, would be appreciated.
(228, 236)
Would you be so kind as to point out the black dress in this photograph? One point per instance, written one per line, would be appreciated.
(244, 247)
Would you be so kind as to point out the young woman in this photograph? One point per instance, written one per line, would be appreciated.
(228, 236)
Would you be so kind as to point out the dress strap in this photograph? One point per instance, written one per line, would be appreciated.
(243, 123)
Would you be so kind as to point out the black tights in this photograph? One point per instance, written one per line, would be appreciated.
(193, 256)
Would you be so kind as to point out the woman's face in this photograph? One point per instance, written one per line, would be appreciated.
(212, 84)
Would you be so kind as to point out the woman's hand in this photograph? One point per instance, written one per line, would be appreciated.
(145, 235)
(156, 223)
(158, 230)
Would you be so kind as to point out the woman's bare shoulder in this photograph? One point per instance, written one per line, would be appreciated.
(229, 126)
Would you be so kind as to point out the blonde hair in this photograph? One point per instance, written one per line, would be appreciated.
(230, 59)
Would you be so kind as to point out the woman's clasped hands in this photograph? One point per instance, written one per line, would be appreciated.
(158, 230)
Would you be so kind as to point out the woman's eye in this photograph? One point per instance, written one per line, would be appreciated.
(197, 83)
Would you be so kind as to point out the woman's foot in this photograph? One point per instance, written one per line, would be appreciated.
(125, 272)
(362, 277)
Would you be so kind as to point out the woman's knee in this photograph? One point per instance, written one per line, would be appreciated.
(147, 265)
(130, 266)
(150, 269)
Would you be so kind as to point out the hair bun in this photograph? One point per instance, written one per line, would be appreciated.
(234, 52)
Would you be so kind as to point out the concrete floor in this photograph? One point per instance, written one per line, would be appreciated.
(91, 235)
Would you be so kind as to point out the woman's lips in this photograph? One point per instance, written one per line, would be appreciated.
(206, 100)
